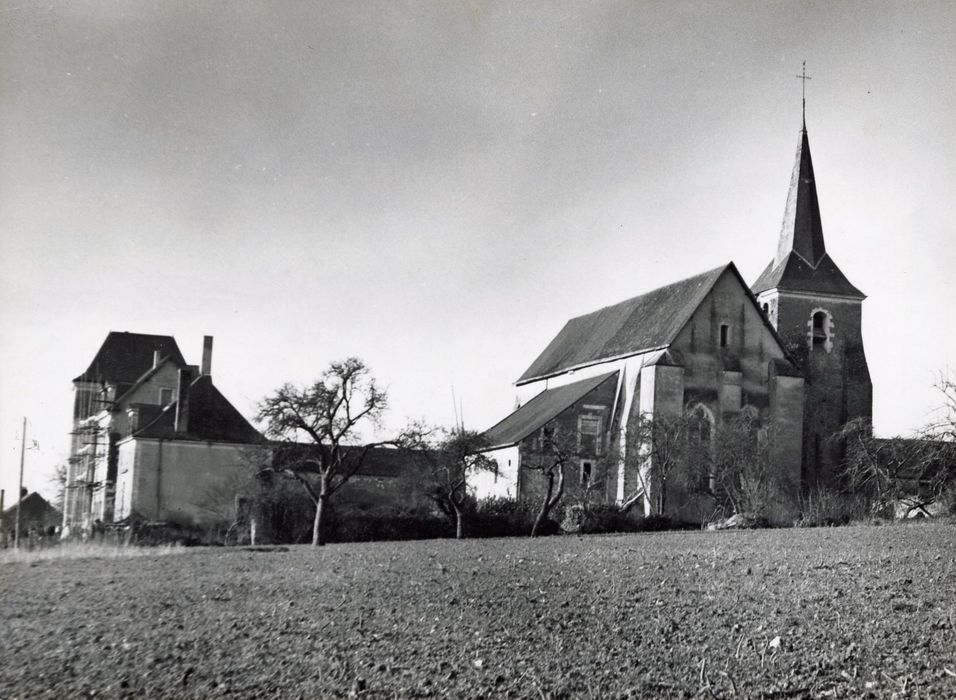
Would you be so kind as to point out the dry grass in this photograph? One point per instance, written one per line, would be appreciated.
(83, 550)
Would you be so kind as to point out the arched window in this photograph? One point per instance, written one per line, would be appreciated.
(821, 330)
(700, 435)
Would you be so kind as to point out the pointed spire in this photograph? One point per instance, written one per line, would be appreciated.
(802, 230)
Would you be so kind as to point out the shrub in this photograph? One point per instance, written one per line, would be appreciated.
(385, 524)
(605, 518)
(506, 517)
(826, 507)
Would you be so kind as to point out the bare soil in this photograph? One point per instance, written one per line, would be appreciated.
(843, 612)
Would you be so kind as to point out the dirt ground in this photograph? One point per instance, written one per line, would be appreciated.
(843, 612)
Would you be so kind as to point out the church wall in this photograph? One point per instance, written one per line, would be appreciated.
(723, 375)
(786, 414)
(741, 365)
(586, 450)
(838, 387)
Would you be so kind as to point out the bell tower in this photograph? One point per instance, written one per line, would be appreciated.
(818, 314)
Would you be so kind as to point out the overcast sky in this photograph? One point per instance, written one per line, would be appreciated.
(438, 187)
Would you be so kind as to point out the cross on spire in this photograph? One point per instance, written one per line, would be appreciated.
(804, 77)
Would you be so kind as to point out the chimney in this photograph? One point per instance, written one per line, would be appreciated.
(181, 421)
(206, 369)
(157, 355)
(133, 414)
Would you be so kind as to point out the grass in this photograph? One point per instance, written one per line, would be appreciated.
(842, 612)
(82, 550)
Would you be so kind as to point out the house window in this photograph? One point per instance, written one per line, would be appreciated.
(586, 466)
(165, 396)
(724, 334)
(544, 440)
(589, 433)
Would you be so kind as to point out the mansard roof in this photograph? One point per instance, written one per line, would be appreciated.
(650, 321)
(210, 417)
(125, 357)
(540, 410)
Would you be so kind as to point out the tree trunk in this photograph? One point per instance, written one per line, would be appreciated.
(545, 507)
(661, 496)
(459, 534)
(318, 529)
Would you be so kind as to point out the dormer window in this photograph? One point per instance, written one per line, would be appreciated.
(165, 396)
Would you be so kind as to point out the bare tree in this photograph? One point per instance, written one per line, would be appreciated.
(448, 458)
(58, 482)
(886, 470)
(328, 415)
(744, 477)
(657, 450)
(943, 424)
(549, 455)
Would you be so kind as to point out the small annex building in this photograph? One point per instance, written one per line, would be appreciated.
(152, 436)
(37, 516)
(788, 351)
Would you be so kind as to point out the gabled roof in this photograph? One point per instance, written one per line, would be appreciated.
(540, 410)
(124, 357)
(210, 417)
(37, 512)
(646, 322)
(147, 376)
(802, 263)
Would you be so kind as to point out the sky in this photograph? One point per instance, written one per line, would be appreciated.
(436, 187)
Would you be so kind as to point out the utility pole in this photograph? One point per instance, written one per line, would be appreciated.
(23, 446)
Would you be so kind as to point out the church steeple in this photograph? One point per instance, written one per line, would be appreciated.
(818, 315)
(802, 230)
(802, 263)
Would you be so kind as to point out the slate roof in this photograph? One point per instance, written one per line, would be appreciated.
(646, 322)
(802, 263)
(211, 417)
(539, 410)
(124, 357)
(802, 229)
(795, 275)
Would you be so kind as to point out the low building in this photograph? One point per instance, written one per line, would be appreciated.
(37, 516)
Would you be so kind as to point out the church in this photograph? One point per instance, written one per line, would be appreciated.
(786, 351)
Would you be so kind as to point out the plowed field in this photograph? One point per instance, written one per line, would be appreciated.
(846, 612)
